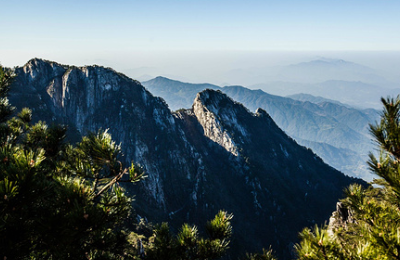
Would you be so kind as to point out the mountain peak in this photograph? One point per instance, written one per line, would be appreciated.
(208, 96)
(162, 78)
(215, 98)
(207, 108)
(39, 62)
(262, 113)
(327, 62)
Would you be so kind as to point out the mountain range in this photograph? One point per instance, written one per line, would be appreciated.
(352, 93)
(349, 82)
(336, 132)
(215, 155)
(323, 69)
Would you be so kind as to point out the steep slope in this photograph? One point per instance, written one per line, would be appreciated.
(216, 155)
(327, 128)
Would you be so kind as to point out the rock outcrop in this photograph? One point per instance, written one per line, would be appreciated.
(340, 218)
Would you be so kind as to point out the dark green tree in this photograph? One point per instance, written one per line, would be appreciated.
(58, 201)
(187, 244)
(265, 255)
(371, 229)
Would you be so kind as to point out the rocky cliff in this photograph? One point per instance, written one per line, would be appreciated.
(216, 155)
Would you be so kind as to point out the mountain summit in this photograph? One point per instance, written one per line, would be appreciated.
(216, 155)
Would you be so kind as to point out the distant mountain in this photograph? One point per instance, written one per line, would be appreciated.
(144, 77)
(357, 94)
(324, 69)
(313, 71)
(142, 73)
(353, 93)
(216, 155)
(314, 99)
(344, 159)
(312, 125)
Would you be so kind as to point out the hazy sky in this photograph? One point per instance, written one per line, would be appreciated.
(130, 34)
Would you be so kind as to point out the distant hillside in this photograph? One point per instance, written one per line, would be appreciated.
(324, 69)
(308, 72)
(353, 93)
(312, 125)
(314, 99)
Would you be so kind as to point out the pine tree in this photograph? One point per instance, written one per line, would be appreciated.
(372, 229)
(265, 255)
(188, 245)
(59, 201)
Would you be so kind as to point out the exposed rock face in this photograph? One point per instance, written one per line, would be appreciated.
(90, 98)
(340, 218)
(214, 156)
(212, 126)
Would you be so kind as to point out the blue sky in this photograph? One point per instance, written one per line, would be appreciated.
(80, 31)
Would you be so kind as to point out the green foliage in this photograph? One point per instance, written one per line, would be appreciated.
(220, 227)
(187, 244)
(372, 229)
(59, 201)
(5, 108)
(316, 244)
(265, 255)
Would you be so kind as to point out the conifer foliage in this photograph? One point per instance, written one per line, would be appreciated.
(265, 255)
(371, 227)
(188, 244)
(58, 201)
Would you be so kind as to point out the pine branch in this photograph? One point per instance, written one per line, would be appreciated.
(112, 182)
